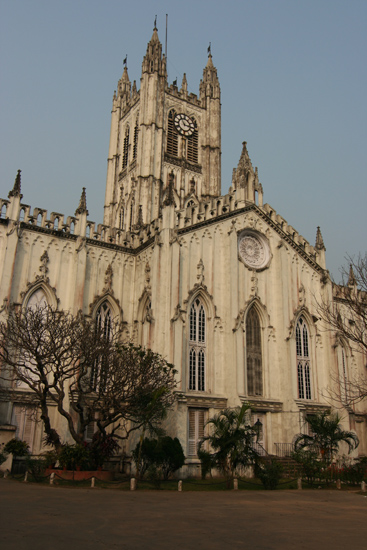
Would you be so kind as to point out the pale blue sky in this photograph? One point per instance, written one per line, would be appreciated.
(293, 80)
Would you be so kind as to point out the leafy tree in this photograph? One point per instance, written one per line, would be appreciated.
(230, 438)
(346, 316)
(326, 437)
(66, 361)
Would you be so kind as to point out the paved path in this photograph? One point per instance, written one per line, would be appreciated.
(34, 517)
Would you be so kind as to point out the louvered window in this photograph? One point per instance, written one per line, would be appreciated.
(197, 419)
(125, 156)
(24, 419)
(197, 347)
(136, 130)
(253, 354)
(172, 136)
(303, 360)
(192, 146)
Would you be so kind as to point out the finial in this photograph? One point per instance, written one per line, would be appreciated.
(184, 83)
(15, 192)
(82, 208)
(210, 49)
(319, 245)
(351, 278)
(155, 24)
(125, 61)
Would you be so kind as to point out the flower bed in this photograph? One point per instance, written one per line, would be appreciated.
(79, 475)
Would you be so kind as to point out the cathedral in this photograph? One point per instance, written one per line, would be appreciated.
(220, 285)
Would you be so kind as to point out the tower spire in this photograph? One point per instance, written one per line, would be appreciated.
(319, 240)
(82, 208)
(15, 192)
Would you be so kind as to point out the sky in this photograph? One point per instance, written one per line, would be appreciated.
(293, 85)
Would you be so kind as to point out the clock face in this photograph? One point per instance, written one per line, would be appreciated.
(184, 125)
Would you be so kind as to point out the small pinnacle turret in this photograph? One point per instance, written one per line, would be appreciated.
(153, 60)
(209, 85)
(319, 245)
(124, 85)
(82, 208)
(15, 192)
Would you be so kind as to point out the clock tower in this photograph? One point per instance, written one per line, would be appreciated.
(162, 138)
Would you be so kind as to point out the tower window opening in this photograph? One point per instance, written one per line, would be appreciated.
(192, 146)
(125, 156)
(172, 136)
(135, 147)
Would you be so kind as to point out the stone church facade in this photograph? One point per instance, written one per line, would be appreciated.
(221, 286)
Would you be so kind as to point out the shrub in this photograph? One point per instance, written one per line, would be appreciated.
(16, 447)
(312, 467)
(165, 454)
(75, 456)
(206, 462)
(269, 473)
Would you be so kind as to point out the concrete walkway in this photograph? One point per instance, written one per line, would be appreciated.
(34, 517)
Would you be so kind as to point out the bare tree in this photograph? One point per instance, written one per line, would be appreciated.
(68, 362)
(346, 316)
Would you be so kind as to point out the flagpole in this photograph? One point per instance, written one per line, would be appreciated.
(166, 34)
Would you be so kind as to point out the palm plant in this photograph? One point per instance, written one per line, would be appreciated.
(326, 436)
(230, 439)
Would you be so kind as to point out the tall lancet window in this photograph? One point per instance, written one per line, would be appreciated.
(197, 347)
(172, 135)
(125, 156)
(192, 145)
(303, 360)
(253, 354)
(103, 324)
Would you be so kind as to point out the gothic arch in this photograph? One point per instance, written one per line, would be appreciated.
(200, 291)
(310, 320)
(48, 291)
(260, 309)
(112, 303)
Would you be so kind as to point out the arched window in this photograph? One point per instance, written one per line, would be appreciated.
(197, 347)
(125, 156)
(343, 375)
(253, 354)
(172, 135)
(303, 360)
